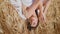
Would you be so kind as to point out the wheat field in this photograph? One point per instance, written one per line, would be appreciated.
(11, 23)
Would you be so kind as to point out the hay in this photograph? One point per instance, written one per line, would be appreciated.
(11, 23)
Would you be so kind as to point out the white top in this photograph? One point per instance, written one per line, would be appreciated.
(27, 2)
(18, 7)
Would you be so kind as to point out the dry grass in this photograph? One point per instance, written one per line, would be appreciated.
(11, 23)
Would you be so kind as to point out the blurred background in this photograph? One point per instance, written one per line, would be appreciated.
(11, 23)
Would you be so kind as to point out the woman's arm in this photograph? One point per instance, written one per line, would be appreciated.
(28, 11)
(47, 6)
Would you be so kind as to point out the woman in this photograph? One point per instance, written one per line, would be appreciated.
(31, 5)
(29, 10)
(18, 6)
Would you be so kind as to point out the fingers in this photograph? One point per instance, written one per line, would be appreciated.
(43, 10)
(42, 17)
(47, 6)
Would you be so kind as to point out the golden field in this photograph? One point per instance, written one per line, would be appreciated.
(11, 23)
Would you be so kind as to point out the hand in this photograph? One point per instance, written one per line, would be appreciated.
(42, 17)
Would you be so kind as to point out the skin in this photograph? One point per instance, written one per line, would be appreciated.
(29, 11)
(42, 14)
(30, 14)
